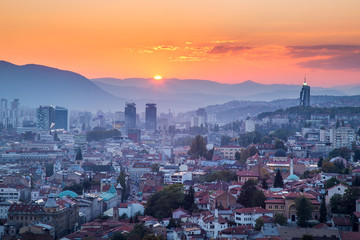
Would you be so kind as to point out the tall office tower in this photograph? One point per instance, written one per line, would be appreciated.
(45, 117)
(15, 113)
(305, 94)
(61, 118)
(150, 116)
(200, 119)
(4, 111)
(130, 115)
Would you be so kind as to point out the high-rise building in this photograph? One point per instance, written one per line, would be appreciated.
(150, 116)
(200, 119)
(249, 125)
(305, 94)
(4, 111)
(130, 115)
(342, 137)
(61, 118)
(45, 117)
(15, 113)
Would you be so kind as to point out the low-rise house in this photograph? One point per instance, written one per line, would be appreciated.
(212, 224)
(248, 216)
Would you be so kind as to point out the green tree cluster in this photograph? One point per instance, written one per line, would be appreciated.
(345, 204)
(198, 148)
(278, 181)
(280, 219)
(303, 211)
(78, 188)
(247, 152)
(161, 204)
(343, 152)
(250, 196)
(122, 180)
(223, 175)
(331, 182)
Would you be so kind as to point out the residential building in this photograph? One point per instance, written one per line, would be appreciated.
(228, 151)
(45, 117)
(248, 216)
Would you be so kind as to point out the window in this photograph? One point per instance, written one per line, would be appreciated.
(276, 207)
(282, 207)
(270, 206)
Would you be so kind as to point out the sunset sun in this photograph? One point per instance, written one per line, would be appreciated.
(158, 77)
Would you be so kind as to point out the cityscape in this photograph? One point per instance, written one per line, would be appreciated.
(170, 120)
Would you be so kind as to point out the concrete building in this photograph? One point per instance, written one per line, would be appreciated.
(45, 117)
(249, 125)
(8, 193)
(305, 95)
(342, 137)
(150, 116)
(228, 151)
(130, 115)
(61, 118)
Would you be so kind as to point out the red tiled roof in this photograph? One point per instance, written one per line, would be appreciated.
(26, 208)
(252, 210)
(342, 221)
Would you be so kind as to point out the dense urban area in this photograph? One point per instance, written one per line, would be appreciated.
(292, 173)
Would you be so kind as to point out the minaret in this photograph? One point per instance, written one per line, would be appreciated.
(291, 167)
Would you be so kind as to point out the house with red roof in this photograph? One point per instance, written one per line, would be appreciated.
(248, 216)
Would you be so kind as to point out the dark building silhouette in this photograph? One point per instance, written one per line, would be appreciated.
(150, 116)
(305, 94)
(45, 117)
(61, 118)
(130, 116)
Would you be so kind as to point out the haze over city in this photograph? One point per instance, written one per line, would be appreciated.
(180, 120)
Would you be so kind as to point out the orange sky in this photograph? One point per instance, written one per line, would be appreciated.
(222, 40)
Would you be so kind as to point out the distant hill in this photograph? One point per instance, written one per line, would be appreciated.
(234, 110)
(38, 85)
(183, 95)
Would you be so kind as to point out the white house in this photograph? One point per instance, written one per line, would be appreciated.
(248, 216)
(130, 209)
(337, 189)
(212, 224)
(8, 193)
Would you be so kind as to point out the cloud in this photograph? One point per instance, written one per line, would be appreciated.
(221, 49)
(166, 48)
(342, 62)
(321, 50)
(186, 59)
(223, 41)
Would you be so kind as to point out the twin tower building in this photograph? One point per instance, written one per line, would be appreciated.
(150, 116)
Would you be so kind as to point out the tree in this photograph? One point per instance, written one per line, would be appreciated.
(331, 182)
(278, 182)
(198, 147)
(320, 162)
(172, 223)
(259, 223)
(122, 180)
(356, 182)
(323, 211)
(155, 167)
(251, 197)
(307, 237)
(246, 193)
(280, 145)
(280, 219)
(189, 200)
(328, 167)
(336, 202)
(118, 236)
(343, 152)
(303, 210)
(357, 154)
(162, 203)
(225, 140)
(237, 155)
(258, 199)
(264, 184)
(49, 169)
(139, 232)
(349, 199)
